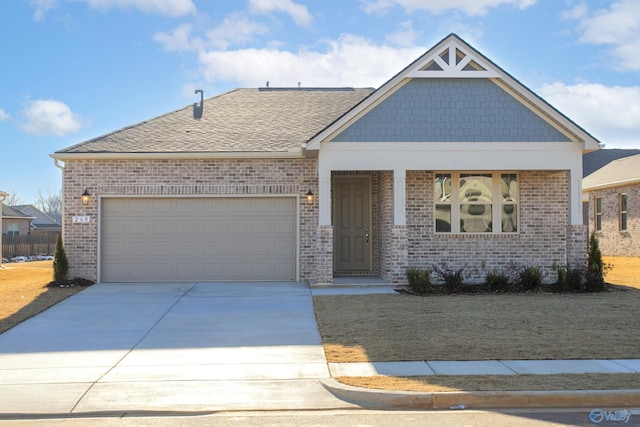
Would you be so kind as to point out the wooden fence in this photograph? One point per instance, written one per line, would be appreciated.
(39, 244)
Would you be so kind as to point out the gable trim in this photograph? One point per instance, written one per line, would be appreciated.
(452, 44)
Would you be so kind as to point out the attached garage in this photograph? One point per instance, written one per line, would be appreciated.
(198, 239)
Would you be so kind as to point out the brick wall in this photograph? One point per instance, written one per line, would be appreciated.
(541, 240)
(611, 240)
(177, 178)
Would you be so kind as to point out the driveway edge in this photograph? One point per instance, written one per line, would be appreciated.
(386, 399)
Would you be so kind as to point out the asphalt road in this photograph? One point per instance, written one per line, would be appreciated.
(361, 418)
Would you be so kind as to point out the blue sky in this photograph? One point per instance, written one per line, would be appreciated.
(76, 69)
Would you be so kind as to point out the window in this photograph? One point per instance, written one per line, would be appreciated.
(13, 230)
(623, 212)
(598, 214)
(476, 202)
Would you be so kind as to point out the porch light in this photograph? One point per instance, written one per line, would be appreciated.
(309, 196)
(86, 197)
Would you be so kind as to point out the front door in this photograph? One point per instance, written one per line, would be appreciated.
(352, 225)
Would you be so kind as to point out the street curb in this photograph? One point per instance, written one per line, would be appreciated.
(386, 399)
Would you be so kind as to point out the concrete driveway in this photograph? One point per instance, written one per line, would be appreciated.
(116, 348)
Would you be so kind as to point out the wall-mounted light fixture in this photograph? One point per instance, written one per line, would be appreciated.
(86, 197)
(309, 196)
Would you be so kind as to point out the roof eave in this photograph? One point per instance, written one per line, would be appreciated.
(612, 184)
(291, 154)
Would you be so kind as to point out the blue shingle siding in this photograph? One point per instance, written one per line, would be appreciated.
(450, 110)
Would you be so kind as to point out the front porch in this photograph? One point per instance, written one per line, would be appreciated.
(358, 240)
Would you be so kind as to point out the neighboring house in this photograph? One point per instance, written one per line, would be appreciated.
(452, 160)
(41, 223)
(593, 161)
(14, 222)
(614, 199)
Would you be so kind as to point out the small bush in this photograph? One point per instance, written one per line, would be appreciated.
(497, 282)
(529, 279)
(571, 279)
(60, 263)
(419, 281)
(596, 267)
(451, 279)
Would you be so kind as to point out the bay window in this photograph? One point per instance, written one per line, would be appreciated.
(476, 202)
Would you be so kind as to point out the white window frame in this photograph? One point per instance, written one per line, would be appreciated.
(623, 216)
(598, 214)
(13, 229)
(496, 203)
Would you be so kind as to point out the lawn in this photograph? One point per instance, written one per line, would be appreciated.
(23, 291)
(484, 327)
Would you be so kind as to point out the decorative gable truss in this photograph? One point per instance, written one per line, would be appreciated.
(454, 60)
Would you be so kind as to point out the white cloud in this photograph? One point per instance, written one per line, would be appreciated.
(349, 61)
(618, 26)
(405, 36)
(610, 113)
(49, 117)
(236, 29)
(470, 7)
(299, 13)
(179, 39)
(172, 8)
(41, 7)
(161, 7)
(4, 115)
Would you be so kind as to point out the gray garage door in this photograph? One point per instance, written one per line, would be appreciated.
(198, 239)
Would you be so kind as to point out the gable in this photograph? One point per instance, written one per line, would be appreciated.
(450, 110)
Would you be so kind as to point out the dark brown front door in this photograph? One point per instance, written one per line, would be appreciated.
(352, 228)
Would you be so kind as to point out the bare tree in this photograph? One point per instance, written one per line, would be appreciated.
(51, 203)
(12, 199)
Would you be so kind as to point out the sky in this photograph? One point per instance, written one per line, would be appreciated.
(72, 70)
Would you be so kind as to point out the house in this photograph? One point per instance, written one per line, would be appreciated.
(613, 193)
(451, 160)
(14, 222)
(41, 223)
(594, 160)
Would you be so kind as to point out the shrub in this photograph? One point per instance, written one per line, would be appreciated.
(419, 281)
(497, 282)
(529, 278)
(572, 279)
(596, 267)
(60, 263)
(451, 279)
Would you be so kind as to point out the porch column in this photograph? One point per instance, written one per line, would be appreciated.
(577, 232)
(324, 197)
(324, 237)
(399, 234)
(399, 197)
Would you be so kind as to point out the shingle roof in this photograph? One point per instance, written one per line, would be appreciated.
(623, 171)
(9, 212)
(242, 120)
(594, 160)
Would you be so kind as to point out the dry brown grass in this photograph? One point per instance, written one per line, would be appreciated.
(23, 291)
(443, 383)
(485, 327)
(626, 271)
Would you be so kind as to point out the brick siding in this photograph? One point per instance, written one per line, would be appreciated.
(179, 178)
(612, 241)
(541, 240)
